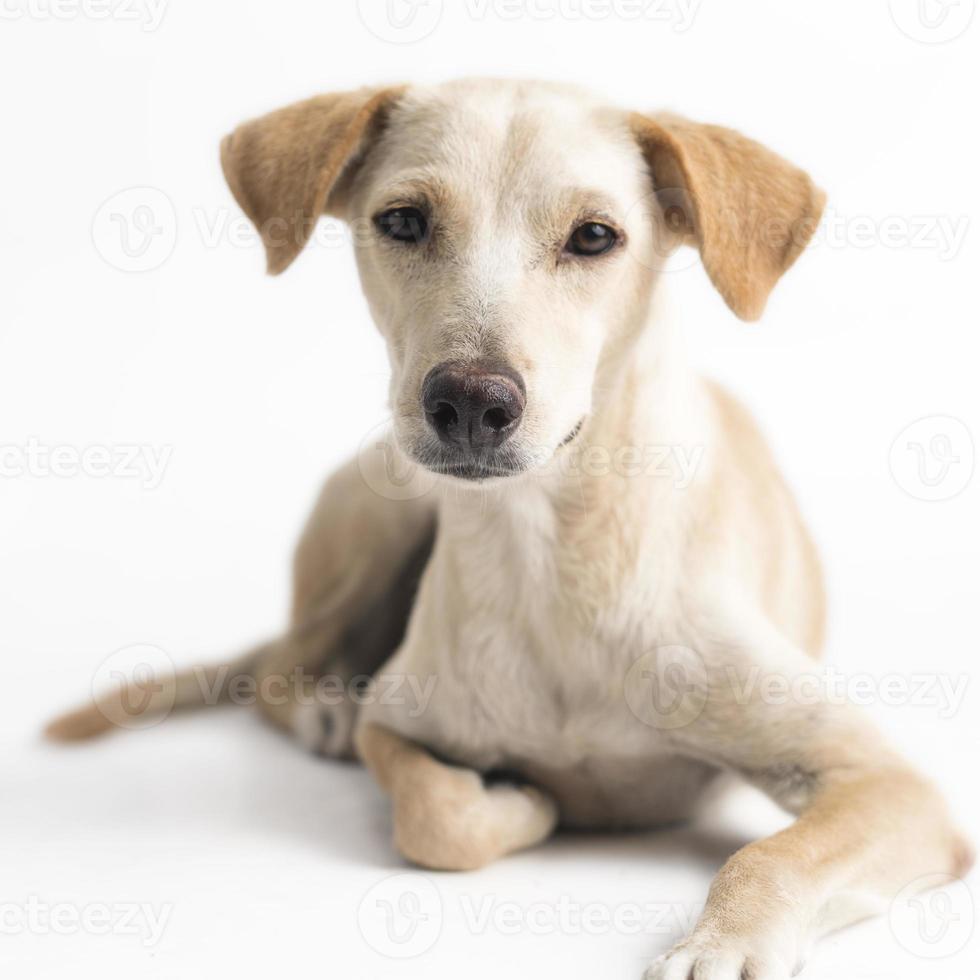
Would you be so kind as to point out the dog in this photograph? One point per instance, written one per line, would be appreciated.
(586, 625)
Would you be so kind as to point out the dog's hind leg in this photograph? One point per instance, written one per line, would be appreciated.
(356, 570)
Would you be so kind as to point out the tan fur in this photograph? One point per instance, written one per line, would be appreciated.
(78, 725)
(778, 534)
(284, 167)
(139, 703)
(550, 596)
(445, 817)
(750, 212)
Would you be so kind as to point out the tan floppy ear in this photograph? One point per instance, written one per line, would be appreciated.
(283, 167)
(749, 211)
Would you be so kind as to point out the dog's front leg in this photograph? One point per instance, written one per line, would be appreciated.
(445, 816)
(868, 824)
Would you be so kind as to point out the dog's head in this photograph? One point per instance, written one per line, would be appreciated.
(508, 237)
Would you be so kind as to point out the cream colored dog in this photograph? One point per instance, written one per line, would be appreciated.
(595, 572)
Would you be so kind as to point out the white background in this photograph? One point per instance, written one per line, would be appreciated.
(256, 387)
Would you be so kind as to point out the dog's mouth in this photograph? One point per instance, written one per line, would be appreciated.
(475, 467)
(573, 435)
(494, 464)
(474, 471)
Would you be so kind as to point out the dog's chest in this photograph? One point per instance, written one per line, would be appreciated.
(510, 691)
(529, 653)
(550, 697)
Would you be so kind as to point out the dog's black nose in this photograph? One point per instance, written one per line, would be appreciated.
(473, 406)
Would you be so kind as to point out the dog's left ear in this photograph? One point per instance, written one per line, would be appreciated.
(749, 211)
(286, 168)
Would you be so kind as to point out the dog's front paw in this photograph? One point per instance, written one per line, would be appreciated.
(716, 958)
(454, 822)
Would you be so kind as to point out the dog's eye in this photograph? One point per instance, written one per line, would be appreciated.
(403, 225)
(592, 238)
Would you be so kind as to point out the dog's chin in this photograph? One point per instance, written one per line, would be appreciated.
(477, 469)
(492, 466)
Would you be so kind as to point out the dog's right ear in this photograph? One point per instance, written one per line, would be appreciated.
(284, 168)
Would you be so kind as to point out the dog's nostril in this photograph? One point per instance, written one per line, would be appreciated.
(473, 406)
(444, 416)
(496, 419)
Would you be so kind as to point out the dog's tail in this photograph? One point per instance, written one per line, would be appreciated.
(140, 702)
